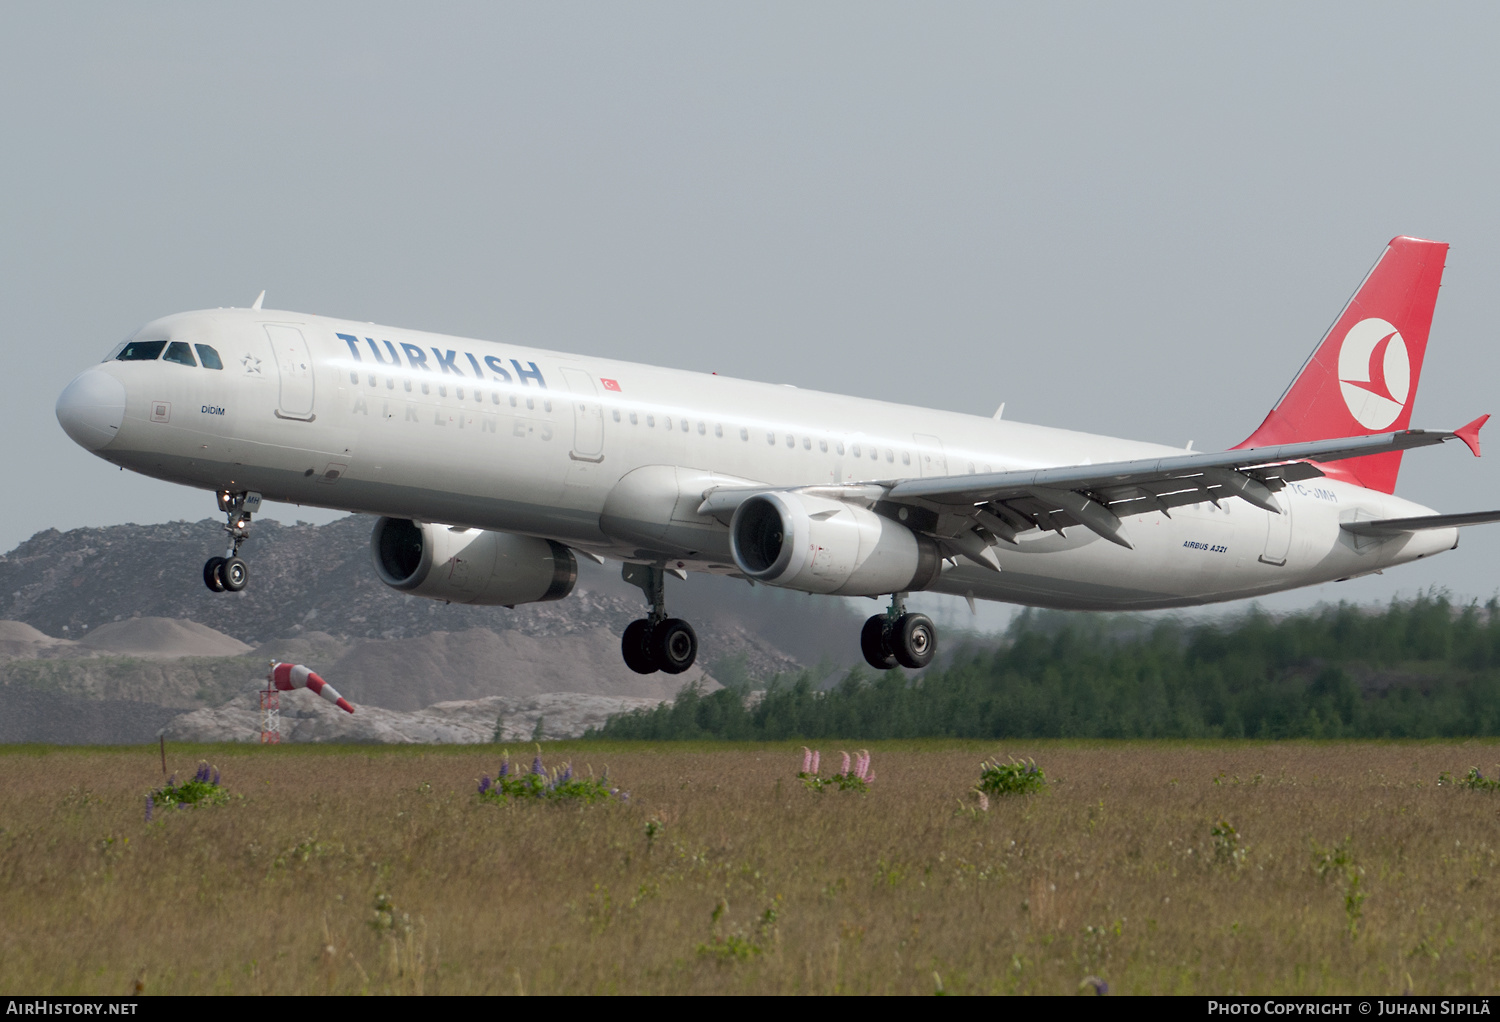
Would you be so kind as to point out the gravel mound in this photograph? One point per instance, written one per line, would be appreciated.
(161, 637)
(307, 718)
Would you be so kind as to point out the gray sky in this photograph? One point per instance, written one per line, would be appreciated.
(1125, 218)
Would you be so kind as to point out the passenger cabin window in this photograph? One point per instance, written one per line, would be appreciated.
(744, 433)
(617, 414)
(141, 351)
(719, 429)
(180, 352)
(209, 357)
(633, 419)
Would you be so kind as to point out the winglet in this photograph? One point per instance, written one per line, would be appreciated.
(258, 299)
(1470, 434)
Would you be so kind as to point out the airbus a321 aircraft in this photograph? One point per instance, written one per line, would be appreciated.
(491, 466)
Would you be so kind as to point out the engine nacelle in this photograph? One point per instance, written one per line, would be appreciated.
(819, 545)
(470, 565)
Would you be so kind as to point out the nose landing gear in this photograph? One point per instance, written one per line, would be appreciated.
(229, 573)
(656, 642)
(898, 638)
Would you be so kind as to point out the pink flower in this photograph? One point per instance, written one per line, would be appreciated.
(815, 761)
(984, 802)
(862, 766)
(807, 759)
(845, 769)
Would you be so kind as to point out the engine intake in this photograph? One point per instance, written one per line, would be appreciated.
(819, 545)
(470, 565)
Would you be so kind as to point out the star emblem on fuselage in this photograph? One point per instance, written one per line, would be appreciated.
(251, 364)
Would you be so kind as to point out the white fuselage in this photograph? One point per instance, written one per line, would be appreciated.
(613, 458)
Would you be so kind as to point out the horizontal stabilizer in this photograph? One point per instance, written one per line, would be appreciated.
(1395, 526)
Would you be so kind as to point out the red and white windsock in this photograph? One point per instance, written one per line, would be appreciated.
(289, 676)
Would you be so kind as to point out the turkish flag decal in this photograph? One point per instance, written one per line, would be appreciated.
(610, 384)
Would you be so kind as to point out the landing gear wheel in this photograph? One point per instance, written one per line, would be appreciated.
(872, 643)
(674, 645)
(234, 574)
(211, 577)
(635, 645)
(914, 640)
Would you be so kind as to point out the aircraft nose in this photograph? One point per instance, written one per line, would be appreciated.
(91, 409)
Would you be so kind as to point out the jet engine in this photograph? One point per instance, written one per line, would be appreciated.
(470, 565)
(820, 545)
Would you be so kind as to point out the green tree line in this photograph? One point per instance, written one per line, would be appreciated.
(1418, 668)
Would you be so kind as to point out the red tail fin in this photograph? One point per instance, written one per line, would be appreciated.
(1362, 377)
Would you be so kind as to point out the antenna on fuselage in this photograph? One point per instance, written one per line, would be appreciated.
(258, 299)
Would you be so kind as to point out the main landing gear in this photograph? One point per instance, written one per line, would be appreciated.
(656, 642)
(229, 572)
(898, 638)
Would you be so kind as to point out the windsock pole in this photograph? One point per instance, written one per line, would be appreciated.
(289, 676)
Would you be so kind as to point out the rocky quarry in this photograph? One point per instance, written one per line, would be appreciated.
(108, 636)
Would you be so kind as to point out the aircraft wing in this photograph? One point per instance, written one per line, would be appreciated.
(968, 513)
(1098, 496)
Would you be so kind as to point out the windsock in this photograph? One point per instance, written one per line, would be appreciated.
(289, 676)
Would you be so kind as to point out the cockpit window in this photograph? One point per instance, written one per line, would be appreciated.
(209, 357)
(141, 351)
(180, 352)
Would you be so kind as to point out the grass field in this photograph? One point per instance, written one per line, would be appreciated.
(1155, 867)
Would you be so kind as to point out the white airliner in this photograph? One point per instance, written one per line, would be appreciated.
(492, 465)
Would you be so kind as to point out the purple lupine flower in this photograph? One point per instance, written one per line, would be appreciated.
(807, 766)
(505, 765)
(484, 784)
(172, 781)
(150, 805)
(567, 774)
(536, 765)
(845, 768)
(816, 755)
(216, 777)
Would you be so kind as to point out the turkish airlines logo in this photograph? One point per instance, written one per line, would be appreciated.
(1374, 373)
